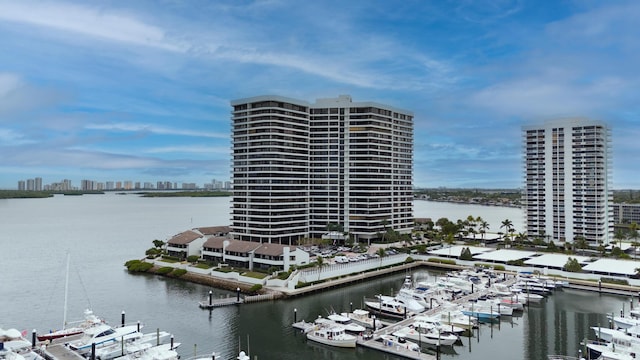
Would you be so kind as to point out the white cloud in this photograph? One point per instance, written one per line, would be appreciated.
(155, 129)
(87, 21)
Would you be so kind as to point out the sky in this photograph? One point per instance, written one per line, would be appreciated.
(140, 90)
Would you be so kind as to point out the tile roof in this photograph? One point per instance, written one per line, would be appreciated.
(241, 246)
(215, 242)
(184, 238)
(272, 249)
(214, 230)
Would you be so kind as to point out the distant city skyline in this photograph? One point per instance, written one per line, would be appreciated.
(37, 184)
(141, 90)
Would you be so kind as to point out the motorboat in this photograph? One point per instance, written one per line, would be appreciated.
(14, 346)
(332, 335)
(387, 306)
(134, 343)
(364, 318)
(103, 335)
(482, 313)
(438, 325)
(349, 325)
(423, 333)
(398, 342)
(159, 352)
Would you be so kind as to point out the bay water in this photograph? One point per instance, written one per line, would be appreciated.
(101, 232)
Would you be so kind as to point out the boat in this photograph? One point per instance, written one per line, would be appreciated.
(160, 352)
(423, 333)
(399, 342)
(80, 326)
(387, 306)
(481, 313)
(332, 335)
(344, 320)
(13, 346)
(90, 320)
(134, 343)
(364, 318)
(439, 326)
(102, 335)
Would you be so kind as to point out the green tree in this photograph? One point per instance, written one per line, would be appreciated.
(319, 263)
(158, 243)
(508, 228)
(484, 226)
(381, 253)
(619, 235)
(580, 242)
(572, 265)
(465, 254)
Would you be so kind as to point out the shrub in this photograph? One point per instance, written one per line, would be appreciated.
(164, 270)
(139, 266)
(614, 281)
(442, 261)
(178, 272)
(409, 259)
(193, 258)
(255, 288)
(283, 275)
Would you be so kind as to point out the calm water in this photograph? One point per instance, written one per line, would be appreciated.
(101, 232)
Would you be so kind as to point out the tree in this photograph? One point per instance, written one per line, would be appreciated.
(158, 243)
(484, 226)
(465, 254)
(572, 265)
(521, 238)
(619, 235)
(580, 242)
(381, 253)
(320, 263)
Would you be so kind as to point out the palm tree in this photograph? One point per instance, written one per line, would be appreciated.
(484, 226)
(320, 263)
(508, 227)
(381, 253)
(521, 237)
(619, 235)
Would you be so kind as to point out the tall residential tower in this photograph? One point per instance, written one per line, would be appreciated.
(568, 191)
(300, 169)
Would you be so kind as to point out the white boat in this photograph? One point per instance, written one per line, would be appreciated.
(15, 346)
(134, 343)
(440, 326)
(387, 306)
(332, 335)
(344, 320)
(482, 313)
(364, 318)
(160, 352)
(624, 322)
(399, 342)
(423, 333)
(102, 335)
(497, 306)
(78, 328)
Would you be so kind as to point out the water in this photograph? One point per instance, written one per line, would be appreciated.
(101, 232)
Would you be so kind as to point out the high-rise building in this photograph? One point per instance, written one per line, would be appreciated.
(301, 169)
(567, 191)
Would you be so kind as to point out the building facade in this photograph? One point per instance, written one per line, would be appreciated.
(301, 169)
(567, 190)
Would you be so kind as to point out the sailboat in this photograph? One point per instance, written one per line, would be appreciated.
(90, 319)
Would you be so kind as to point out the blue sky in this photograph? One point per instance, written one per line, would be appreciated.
(140, 90)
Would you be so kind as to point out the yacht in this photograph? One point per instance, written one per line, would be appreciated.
(331, 334)
(103, 335)
(423, 333)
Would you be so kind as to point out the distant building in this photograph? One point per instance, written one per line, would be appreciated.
(301, 168)
(22, 185)
(567, 192)
(626, 213)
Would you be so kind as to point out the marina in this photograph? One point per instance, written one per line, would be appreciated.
(556, 325)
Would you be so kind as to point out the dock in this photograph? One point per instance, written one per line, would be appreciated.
(214, 303)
